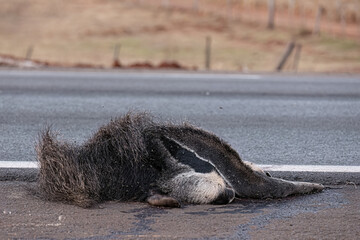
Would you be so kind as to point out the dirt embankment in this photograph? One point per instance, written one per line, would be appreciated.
(17, 62)
(83, 34)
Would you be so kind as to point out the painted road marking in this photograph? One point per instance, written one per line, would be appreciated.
(18, 164)
(310, 168)
(270, 168)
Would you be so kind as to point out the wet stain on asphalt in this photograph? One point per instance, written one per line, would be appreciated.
(144, 218)
(238, 207)
(289, 207)
(143, 223)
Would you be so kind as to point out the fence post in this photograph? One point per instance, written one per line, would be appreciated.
(297, 57)
(285, 56)
(358, 18)
(208, 53)
(343, 20)
(229, 10)
(165, 3)
(196, 5)
(29, 52)
(271, 9)
(291, 11)
(116, 62)
(318, 20)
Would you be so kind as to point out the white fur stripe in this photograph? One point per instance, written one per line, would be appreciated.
(270, 168)
(203, 159)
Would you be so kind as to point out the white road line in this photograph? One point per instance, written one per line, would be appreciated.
(18, 164)
(270, 168)
(310, 168)
(205, 76)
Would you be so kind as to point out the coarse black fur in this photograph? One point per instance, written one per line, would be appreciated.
(134, 158)
(113, 164)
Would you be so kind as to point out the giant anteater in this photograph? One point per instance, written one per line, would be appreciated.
(134, 158)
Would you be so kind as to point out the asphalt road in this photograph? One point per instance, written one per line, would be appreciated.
(331, 214)
(268, 119)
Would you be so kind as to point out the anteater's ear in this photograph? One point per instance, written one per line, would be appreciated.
(187, 156)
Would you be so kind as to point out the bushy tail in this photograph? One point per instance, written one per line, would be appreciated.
(63, 176)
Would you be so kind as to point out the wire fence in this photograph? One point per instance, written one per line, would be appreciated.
(336, 17)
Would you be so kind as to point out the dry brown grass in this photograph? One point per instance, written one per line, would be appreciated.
(87, 31)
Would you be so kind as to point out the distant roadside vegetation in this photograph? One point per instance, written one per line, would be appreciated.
(148, 33)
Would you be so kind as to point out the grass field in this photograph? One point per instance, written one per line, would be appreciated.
(86, 31)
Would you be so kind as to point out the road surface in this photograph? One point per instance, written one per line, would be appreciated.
(268, 119)
(332, 214)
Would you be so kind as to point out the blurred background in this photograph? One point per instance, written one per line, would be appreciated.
(221, 35)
